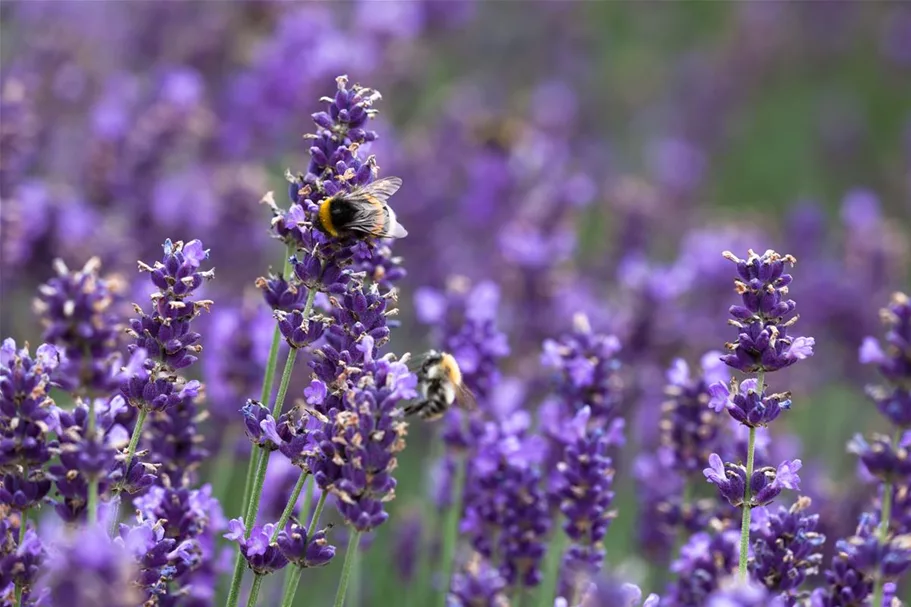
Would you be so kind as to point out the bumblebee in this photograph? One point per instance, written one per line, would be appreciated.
(440, 386)
(362, 211)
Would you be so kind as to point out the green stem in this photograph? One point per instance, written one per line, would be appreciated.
(283, 386)
(258, 481)
(293, 572)
(23, 520)
(308, 499)
(292, 501)
(134, 440)
(553, 557)
(93, 482)
(451, 529)
(271, 364)
(266, 393)
(256, 461)
(883, 533)
(311, 528)
(354, 597)
(292, 579)
(745, 522)
(254, 590)
(252, 466)
(249, 519)
(350, 555)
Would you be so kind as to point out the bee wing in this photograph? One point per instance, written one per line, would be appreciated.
(382, 189)
(374, 216)
(466, 398)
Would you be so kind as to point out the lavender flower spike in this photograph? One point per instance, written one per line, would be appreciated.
(893, 362)
(765, 483)
(765, 316)
(261, 554)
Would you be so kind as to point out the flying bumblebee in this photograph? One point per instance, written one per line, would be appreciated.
(362, 211)
(440, 386)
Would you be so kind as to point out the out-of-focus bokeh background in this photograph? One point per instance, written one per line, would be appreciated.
(589, 157)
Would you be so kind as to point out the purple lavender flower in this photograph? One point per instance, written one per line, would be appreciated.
(786, 549)
(192, 518)
(706, 559)
(158, 558)
(300, 331)
(765, 483)
(297, 435)
(689, 432)
(882, 458)
(506, 509)
(609, 592)
(166, 334)
(281, 295)
(860, 560)
(478, 585)
(363, 437)
(746, 405)
(87, 569)
(765, 316)
(585, 368)
(19, 561)
(742, 593)
(585, 492)
(85, 457)
(894, 362)
(262, 555)
(303, 551)
(27, 417)
(76, 309)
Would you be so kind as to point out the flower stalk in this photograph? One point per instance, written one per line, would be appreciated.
(350, 555)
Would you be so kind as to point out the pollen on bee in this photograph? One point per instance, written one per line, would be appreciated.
(451, 368)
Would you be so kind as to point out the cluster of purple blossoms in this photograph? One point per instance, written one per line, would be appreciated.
(358, 452)
(478, 584)
(88, 569)
(506, 513)
(704, 561)
(20, 558)
(861, 562)
(583, 487)
(191, 519)
(351, 428)
(167, 337)
(765, 484)
(78, 311)
(893, 362)
(689, 434)
(586, 367)
(786, 550)
(763, 319)
(28, 418)
(257, 547)
(763, 346)
(87, 456)
(880, 550)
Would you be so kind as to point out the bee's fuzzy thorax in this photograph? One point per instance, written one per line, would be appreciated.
(325, 217)
(451, 368)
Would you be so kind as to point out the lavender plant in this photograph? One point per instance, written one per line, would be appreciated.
(763, 345)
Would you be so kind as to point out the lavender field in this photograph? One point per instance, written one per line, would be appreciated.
(449, 303)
